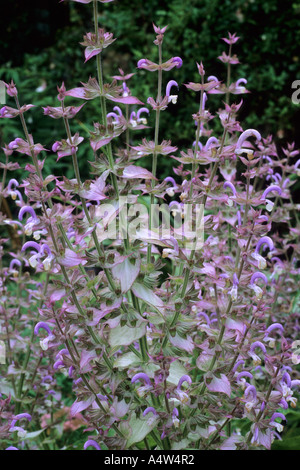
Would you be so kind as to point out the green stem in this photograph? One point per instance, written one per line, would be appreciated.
(156, 134)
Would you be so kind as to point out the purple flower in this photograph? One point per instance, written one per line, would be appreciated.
(61, 352)
(184, 378)
(29, 210)
(232, 38)
(270, 189)
(150, 409)
(270, 340)
(177, 61)
(210, 142)
(67, 147)
(141, 376)
(11, 191)
(241, 381)
(200, 146)
(168, 252)
(261, 260)
(250, 390)
(238, 88)
(275, 326)
(31, 221)
(142, 63)
(202, 314)
(138, 115)
(244, 374)
(45, 342)
(264, 241)
(11, 89)
(166, 66)
(47, 378)
(243, 137)
(227, 184)
(234, 290)
(258, 275)
(91, 443)
(20, 431)
(20, 416)
(41, 325)
(258, 344)
(31, 244)
(113, 115)
(256, 359)
(171, 191)
(257, 290)
(14, 262)
(58, 365)
(171, 98)
(175, 420)
(296, 167)
(286, 378)
(278, 426)
(238, 363)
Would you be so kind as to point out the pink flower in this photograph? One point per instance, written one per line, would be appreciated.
(66, 148)
(141, 376)
(166, 66)
(59, 112)
(8, 112)
(71, 259)
(91, 442)
(95, 43)
(44, 343)
(171, 98)
(232, 38)
(11, 89)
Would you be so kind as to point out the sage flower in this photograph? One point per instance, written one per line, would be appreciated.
(270, 189)
(44, 343)
(239, 149)
(171, 98)
(91, 443)
(261, 260)
(257, 290)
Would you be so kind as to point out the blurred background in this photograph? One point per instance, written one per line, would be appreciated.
(40, 49)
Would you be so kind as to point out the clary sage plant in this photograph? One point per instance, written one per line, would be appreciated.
(171, 305)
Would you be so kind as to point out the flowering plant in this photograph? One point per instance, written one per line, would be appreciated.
(172, 337)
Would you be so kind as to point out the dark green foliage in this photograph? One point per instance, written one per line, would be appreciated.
(268, 52)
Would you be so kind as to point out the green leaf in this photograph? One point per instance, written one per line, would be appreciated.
(287, 444)
(32, 435)
(126, 360)
(147, 295)
(140, 428)
(176, 372)
(126, 272)
(123, 335)
(180, 445)
(6, 389)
